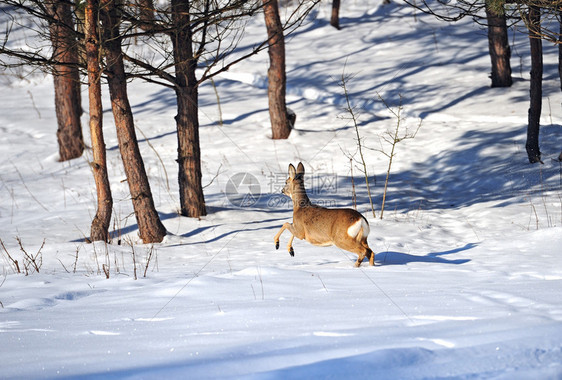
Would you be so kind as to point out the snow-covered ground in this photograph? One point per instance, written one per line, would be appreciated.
(468, 280)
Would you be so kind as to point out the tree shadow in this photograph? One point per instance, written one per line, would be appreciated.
(230, 233)
(481, 169)
(198, 231)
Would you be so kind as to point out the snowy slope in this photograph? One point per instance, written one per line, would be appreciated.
(469, 253)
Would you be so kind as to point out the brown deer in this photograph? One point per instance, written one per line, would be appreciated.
(345, 228)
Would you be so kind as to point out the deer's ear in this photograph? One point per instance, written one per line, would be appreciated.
(300, 169)
(292, 171)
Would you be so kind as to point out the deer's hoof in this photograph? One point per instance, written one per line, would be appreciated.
(292, 252)
(276, 245)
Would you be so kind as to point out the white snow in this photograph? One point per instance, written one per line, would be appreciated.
(468, 279)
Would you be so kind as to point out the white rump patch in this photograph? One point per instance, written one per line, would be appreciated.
(354, 229)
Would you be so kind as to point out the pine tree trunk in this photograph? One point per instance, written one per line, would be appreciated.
(500, 52)
(335, 19)
(100, 224)
(532, 144)
(192, 200)
(151, 229)
(66, 80)
(280, 125)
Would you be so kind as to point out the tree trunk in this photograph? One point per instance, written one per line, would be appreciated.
(280, 125)
(335, 20)
(66, 80)
(80, 17)
(560, 60)
(146, 11)
(151, 229)
(560, 50)
(532, 144)
(192, 200)
(500, 51)
(100, 224)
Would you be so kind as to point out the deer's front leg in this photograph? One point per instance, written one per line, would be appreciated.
(290, 227)
(290, 246)
(276, 238)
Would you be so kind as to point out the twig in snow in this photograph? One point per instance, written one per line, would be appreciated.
(14, 262)
(35, 261)
(393, 138)
(352, 113)
(150, 252)
(215, 177)
(76, 259)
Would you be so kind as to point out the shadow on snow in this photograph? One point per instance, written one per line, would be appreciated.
(399, 258)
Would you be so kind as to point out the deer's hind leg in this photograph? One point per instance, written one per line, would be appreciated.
(371, 257)
(362, 250)
(370, 254)
(360, 258)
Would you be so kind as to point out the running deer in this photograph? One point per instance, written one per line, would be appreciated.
(345, 228)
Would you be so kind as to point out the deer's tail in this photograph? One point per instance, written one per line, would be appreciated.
(359, 230)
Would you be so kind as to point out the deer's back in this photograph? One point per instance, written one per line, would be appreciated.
(324, 226)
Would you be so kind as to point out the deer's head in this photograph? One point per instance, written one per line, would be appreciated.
(295, 183)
